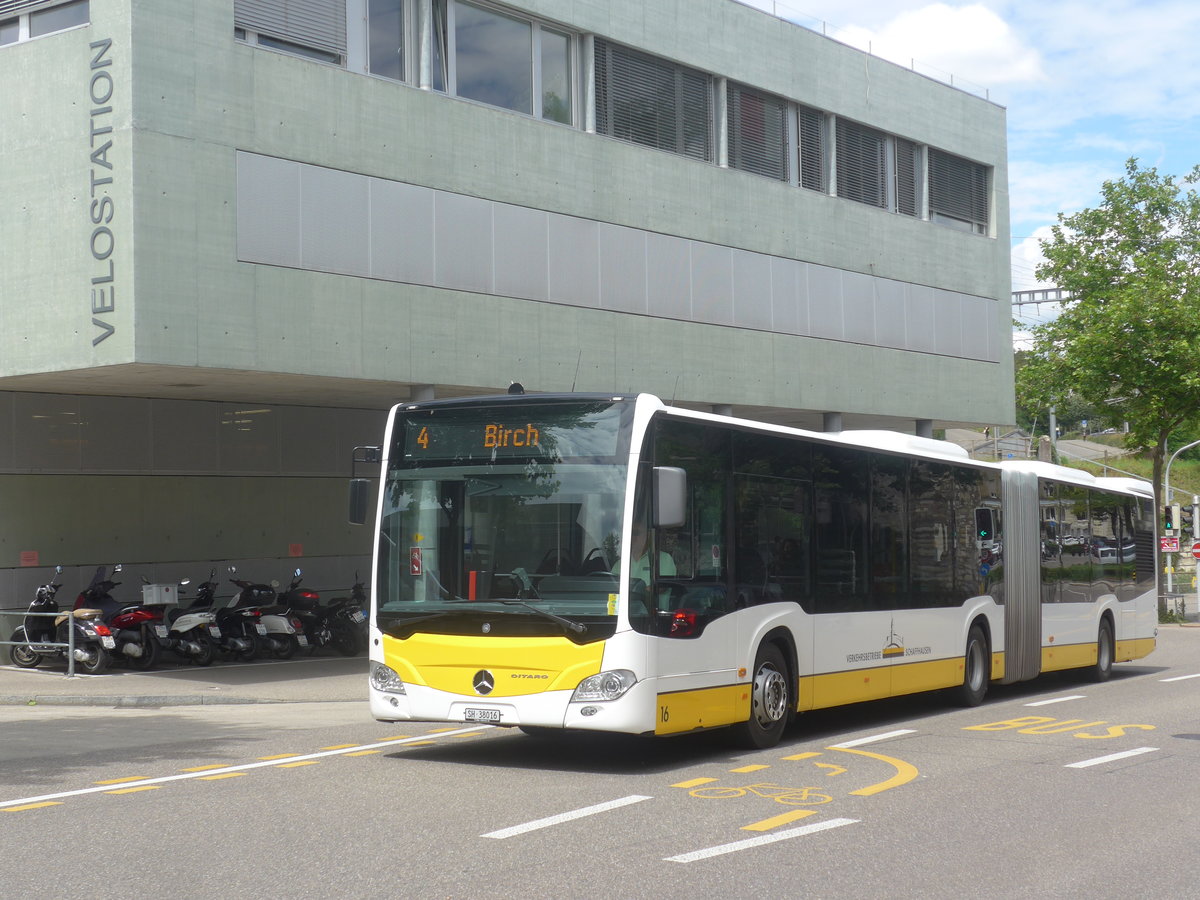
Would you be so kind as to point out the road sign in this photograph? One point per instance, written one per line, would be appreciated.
(1168, 545)
(1196, 549)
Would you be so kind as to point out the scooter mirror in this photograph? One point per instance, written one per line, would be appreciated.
(117, 568)
(298, 573)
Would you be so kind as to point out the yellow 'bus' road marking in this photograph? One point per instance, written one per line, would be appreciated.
(803, 756)
(905, 772)
(749, 769)
(222, 775)
(123, 780)
(208, 768)
(134, 790)
(782, 819)
(303, 762)
(694, 782)
(32, 806)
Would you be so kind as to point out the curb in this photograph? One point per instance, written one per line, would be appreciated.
(129, 701)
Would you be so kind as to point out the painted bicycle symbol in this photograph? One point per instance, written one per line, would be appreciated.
(805, 796)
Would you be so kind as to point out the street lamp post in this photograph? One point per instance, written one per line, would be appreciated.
(1167, 501)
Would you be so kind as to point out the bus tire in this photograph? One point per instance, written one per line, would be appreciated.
(770, 701)
(975, 669)
(1105, 651)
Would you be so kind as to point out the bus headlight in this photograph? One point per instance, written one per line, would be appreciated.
(605, 686)
(384, 678)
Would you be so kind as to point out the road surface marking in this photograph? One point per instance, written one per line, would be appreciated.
(31, 806)
(1112, 757)
(222, 775)
(122, 780)
(802, 756)
(870, 740)
(748, 843)
(749, 769)
(187, 776)
(303, 762)
(565, 817)
(1179, 678)
(1058, 700)
(207, 768)
(783, 819)
(695, 782)
(134, 790)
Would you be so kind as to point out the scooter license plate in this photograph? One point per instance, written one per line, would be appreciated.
(108, 643)
(260, 627)
(161, 630)
(301, 640)
(214, 631)
(357, 616)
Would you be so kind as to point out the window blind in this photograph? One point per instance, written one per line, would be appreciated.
(861, 164)
(812, 149)
(758, 140)
(19, 7)
(958, 190)
(651, 101)
(907, 177)
(312, 23)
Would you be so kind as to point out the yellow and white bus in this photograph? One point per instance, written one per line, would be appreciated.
(611, 563)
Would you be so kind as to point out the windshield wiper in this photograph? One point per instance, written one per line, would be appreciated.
(569, 624)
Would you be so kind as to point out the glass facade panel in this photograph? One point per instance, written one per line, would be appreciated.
(556, 77)
(493, 58)
(385, 47)
(10, 30)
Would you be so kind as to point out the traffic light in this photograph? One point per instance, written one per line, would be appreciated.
(985, 526)
(1171, 519)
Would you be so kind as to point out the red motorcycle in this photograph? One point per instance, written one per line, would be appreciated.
(132, 624)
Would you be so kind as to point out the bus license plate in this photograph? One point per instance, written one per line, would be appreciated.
(481, 715)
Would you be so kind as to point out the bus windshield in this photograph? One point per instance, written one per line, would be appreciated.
(503, 520)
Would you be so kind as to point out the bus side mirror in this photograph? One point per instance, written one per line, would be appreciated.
(670, 497)
(360, 495)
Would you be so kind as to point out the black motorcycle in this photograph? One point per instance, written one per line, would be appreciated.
(324, 626)
(132, 624)
(45, 626)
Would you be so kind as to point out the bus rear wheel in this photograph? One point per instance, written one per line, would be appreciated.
(1102, 670)
(770, 701)
(975, 669)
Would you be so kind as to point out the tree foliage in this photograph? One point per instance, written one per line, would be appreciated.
(1129, 336)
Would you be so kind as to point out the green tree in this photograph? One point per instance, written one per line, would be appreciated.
(1129, 336)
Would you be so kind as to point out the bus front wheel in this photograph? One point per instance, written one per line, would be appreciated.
(770, 701)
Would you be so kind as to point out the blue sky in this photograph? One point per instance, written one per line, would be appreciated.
(1086, 85)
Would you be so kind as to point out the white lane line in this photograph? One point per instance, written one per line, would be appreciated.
(1058, 700)
(1179, 678)
(208, 773)
(1099, 760)
(565, 817)
(771, 838)
(873, 739)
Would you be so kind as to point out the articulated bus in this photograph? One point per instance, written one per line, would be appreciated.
(612, 563)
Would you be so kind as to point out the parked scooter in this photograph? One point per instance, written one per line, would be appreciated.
(284, 633)
(93, 639)
(132, 624)
(240, 621)
(324, 626)
(191, 631)
(356, 607)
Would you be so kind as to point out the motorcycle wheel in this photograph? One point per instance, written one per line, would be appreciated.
(285, 648)
(208, 652)
(150, 653)
(97, 661)
(22, 655)
(345, 640)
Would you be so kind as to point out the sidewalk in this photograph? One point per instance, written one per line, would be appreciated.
(306, 679)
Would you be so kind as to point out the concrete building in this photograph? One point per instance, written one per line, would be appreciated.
(235, 232)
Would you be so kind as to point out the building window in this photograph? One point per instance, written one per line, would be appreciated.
(758, 132)
(556, 77)
(958, 192)
(58, 18)
(907, 181)
(652, 101)
(314, 29)
(10, 31)
(385, 38)
(861, 164)
(492, 54)
(814, 173)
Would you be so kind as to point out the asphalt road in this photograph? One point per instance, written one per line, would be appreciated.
(1059, 788)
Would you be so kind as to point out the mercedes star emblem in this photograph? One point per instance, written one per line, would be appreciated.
(483, 682)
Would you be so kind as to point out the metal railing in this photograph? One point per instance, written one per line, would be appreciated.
(68, 645)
